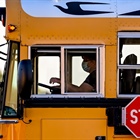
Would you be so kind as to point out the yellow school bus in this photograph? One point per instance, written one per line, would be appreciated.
(46, 38)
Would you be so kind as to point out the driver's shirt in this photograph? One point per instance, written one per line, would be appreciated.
(91, 79)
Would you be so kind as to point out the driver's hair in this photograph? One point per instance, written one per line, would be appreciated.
(89, 56)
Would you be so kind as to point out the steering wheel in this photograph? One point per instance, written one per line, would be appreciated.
(53, 90)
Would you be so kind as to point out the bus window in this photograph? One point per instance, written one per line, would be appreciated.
(75, 74)
(11, 93)
(64, 64)
(3, 58)
(46, 63)
(51, 64)
(129, 64)
(3, 63)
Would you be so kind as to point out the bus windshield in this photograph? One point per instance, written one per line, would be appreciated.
(3, 58)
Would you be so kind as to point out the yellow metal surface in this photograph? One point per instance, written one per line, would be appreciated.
(69, 124)
(124, 137)
(13, 17)
(23, 52)
(37, 113)
(31, 30)
(65, 123)
(12, 131)
(72, 129)
(111, 71)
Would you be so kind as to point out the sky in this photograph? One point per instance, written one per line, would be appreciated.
(2, 3)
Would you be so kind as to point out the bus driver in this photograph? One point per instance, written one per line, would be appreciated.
(89, 85)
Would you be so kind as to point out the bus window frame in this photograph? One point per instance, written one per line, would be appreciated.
(100, 62)
(125, 35)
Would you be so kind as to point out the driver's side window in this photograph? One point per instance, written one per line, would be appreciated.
(46, 64)
(56, 68)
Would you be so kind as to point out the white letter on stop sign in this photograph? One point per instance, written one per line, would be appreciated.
(134, 116)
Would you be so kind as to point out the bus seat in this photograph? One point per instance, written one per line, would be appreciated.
(128, 75)
(137, 85)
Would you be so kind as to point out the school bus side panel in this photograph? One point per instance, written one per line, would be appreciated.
(66, 123)
(111, 71)
(13, 17)
(35, 30)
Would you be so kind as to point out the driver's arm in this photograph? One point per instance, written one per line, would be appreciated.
(55, 80)
(84, 87)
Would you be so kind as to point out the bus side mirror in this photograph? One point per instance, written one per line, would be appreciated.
(24, 80)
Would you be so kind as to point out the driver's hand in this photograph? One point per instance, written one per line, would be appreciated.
(55, 80)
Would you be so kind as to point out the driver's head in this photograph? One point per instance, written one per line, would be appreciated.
(89, 62)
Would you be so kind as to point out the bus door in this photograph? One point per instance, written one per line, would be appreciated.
(8, 90)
